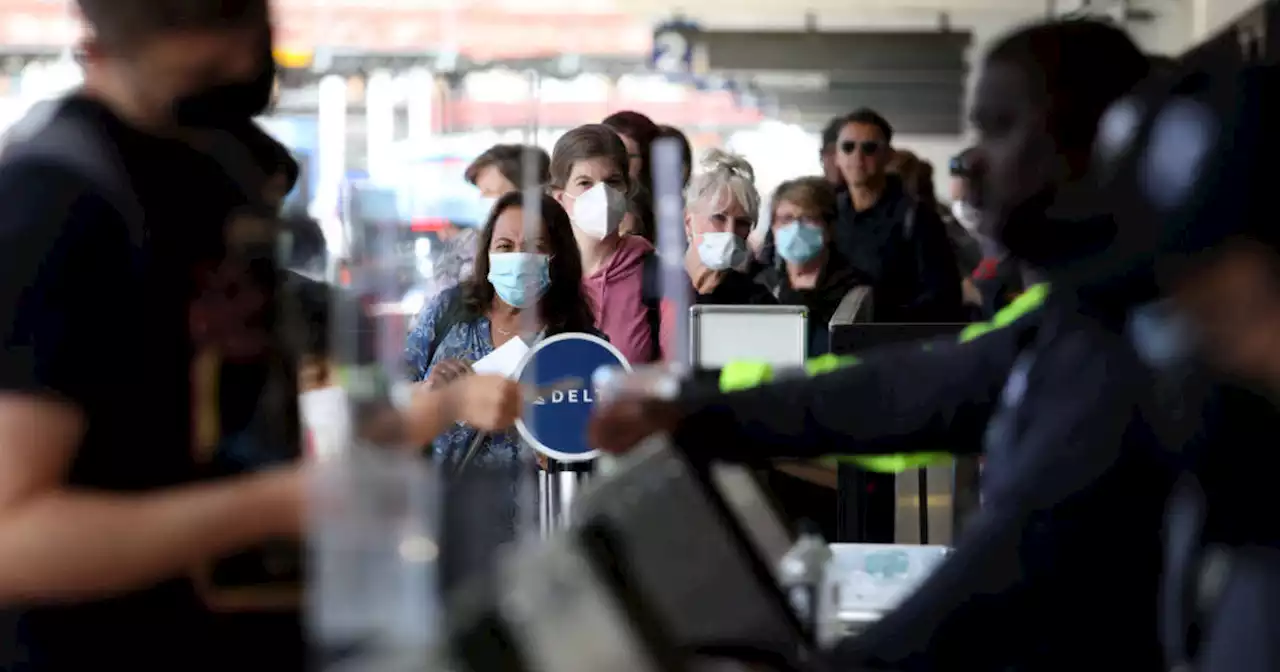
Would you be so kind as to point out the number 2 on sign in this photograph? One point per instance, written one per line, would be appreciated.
(670, 49)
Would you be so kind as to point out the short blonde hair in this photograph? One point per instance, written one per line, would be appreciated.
(722, 171)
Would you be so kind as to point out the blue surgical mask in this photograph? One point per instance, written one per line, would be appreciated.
(798, 242)
(515, 274)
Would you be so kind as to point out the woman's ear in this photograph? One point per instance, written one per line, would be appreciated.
(688, 226)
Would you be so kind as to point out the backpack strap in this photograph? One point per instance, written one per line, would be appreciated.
(651, 297)
(454, 313)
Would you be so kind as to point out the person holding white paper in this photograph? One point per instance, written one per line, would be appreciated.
(519, 281)
(527, 284)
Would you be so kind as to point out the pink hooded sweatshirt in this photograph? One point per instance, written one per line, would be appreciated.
(616, 293)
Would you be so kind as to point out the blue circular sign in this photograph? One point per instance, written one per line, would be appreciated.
(560, 369)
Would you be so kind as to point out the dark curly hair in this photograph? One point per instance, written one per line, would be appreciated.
(565, 307)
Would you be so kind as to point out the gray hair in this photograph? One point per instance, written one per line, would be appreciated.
(720, 173)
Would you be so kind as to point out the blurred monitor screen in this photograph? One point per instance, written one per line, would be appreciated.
(776, 335)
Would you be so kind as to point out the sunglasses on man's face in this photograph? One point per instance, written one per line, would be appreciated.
(868, 147)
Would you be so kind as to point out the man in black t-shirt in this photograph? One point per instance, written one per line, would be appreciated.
(99, 514)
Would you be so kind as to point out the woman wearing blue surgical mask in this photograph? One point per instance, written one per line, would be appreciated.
(809, 271)
(521, 280)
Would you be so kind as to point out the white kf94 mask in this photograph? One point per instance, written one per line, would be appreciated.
(599, 211)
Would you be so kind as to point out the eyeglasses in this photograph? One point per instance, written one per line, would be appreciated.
(868, 147)
(960, 166)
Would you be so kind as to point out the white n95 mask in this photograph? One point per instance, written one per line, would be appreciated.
(599, 211)
(721, 251)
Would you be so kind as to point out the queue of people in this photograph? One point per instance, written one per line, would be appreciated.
(124, 476)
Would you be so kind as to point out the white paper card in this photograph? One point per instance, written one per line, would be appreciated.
(326, 417)
(504, 361)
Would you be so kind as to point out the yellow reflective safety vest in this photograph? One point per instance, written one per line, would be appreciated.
(744, 375)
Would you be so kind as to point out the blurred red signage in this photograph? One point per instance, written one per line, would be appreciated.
(383, 27)
(701, 110)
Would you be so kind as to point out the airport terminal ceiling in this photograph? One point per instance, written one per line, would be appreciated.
(491, 68)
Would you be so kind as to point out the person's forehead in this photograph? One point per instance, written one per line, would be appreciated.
(490, 175)
(510, 224)
(231, 50)
(598, 167)
(630, 142)
(723, 202)
(791, 205)
(788, 210)
(861, 132)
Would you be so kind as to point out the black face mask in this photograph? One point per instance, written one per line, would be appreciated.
(229, 104)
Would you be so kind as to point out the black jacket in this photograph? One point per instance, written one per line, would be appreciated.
(999, 281)
(736, 289)
(913, 269)
(1059, 569)
(1225, 621)
(835, 281)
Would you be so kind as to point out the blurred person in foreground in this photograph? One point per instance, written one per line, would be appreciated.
(1219, 262)
(102, 515)
(1058, 401)
(589, 179)
(894, 239)
(999, 278)
(279, 169)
